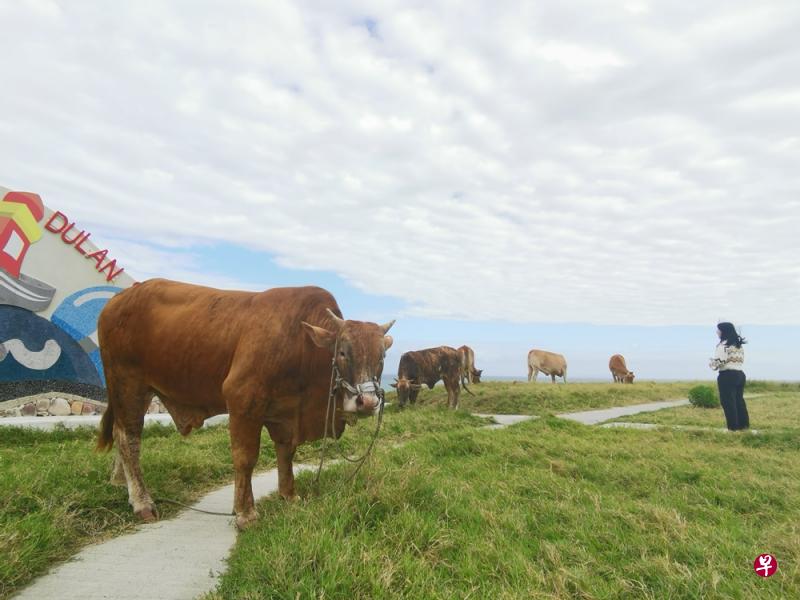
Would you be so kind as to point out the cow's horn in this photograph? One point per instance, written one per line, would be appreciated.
(387, 326)
(339, 321)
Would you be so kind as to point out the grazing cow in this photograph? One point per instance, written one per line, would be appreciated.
(426, 367)
(549, 363)
(619, 370)
(264, 358)
(468, 370)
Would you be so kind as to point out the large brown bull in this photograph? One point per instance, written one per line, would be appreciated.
(468, 370)
(426, 367)
(619, 370)
(263, 358)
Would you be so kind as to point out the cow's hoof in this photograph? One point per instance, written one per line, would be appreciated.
(148, 514)
(246, 520)
(290, 497)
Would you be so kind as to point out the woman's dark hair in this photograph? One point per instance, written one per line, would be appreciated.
(729, 335)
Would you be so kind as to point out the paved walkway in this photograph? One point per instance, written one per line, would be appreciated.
(178, 559)
(181, 558)
(505, 420)
(593, 417)
(73, 422)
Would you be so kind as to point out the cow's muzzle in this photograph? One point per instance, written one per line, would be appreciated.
(363, 399)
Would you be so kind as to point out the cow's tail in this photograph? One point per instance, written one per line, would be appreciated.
(466, 389)
(105, 437)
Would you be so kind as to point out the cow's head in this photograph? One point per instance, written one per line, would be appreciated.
(360, 349)
(404, 387)
(476, 375)
(628, 377)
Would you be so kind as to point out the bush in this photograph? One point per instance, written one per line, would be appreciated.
(703, 396)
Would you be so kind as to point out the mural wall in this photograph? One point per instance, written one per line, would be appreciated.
(53, 284)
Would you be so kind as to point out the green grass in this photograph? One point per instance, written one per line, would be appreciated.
(770, 412)
(545, 509)
(545, 398)
(548, 509)
(55, 496)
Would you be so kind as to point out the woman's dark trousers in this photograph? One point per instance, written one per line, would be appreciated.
(731, 396)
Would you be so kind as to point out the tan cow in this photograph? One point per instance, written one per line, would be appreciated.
(468, 370)
(549, 363)
(619, 370)
(264, 358)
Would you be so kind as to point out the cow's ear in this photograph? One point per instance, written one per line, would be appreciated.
(321, 337)
(387, 342)
(394, 385)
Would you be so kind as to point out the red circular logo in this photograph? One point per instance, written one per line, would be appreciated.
(765, 565)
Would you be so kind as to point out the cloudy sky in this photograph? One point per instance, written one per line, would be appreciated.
(586, 176)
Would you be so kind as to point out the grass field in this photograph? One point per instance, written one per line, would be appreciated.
(55, 496)
(771, 411)
(449, 482)
(545, 398)
(546, 509)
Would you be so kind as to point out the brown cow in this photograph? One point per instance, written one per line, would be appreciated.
(468, 370)
(263, 358)
(426, 367)
(549, 363)
(619, 370)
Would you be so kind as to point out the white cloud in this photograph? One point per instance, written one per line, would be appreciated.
(604, 163)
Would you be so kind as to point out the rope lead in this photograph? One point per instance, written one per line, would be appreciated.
(330, 413)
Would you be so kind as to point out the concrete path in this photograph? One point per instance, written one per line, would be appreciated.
(505, 420)
(181, 558)
(176, 559)
(73, 422)
(593, 417)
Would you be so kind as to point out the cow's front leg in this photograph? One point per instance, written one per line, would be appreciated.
(412, 396)
(285, 454)
(245, 443)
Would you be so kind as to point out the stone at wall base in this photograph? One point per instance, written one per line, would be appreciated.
(59, 407)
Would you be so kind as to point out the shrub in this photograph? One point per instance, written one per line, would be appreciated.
(703, 396)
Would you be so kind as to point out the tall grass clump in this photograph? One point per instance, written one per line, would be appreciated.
(703, 396)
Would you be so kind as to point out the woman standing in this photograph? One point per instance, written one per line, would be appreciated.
(729, 361)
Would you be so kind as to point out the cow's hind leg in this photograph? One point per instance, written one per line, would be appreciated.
(452, 388)
(129, 442)
(130, 400)
(118, 471)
